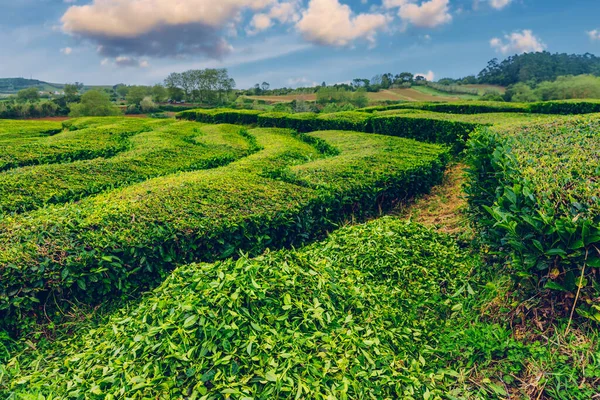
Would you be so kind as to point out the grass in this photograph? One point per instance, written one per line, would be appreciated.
(441, 96)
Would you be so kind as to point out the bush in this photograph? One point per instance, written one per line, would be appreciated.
(222, 116)
(534, 191)
(467, 107)
(266, 327)
(158, 148)
(75, 144)
(94, 104)
(128, 239)
(566, 107)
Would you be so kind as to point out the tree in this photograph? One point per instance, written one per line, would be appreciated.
(29, 94)
(136, 94)
(404, 77)
(360, 98)
(265, 86)
(94, 104)
(159, 93)
(71, 92)
(147, 105)
(122, 90)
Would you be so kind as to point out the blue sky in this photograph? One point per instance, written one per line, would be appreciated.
(283, 42)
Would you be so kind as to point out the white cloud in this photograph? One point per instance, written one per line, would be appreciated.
(499, 4)
(430, 76)
(428, 15)
(284, 12)
(518, 42)
(161, 28)
(66, 51)
(330, 23)
(594, 34)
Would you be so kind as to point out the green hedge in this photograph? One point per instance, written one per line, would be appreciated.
(535, 192)
(22, 131)
(431, 130)
(221, 116)
(128, 239)
(467, 107)
(563, 107)
(71, 145)
(167, 148)
(566, 107)
(372, 300)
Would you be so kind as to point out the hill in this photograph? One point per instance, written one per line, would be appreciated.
(13, 85)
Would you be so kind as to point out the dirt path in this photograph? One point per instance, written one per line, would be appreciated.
(444, 207)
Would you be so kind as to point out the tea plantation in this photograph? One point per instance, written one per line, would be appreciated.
(240, 254)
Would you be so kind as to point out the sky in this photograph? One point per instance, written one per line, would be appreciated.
(287, 43)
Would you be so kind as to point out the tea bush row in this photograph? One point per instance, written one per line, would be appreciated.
(129, 238)
(534, 190)
(167, 148)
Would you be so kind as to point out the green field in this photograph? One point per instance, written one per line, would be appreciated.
(247, 255)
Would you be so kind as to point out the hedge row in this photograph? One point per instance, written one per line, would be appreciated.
(83, 144)
(563, 107)
(315, 323)
(222, 116)
(26, 130)
(167, 148)
(129, 238)
(434, 128)
(534, 189)
(466, 107)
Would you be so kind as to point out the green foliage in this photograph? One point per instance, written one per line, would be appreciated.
(30, 94)
(221, 116)
(104, 138)
(534, 191)
(538, 67)
(371, 301)
(94, 104)
(128, 239)
(465, 107)
(158, 148)
(566, 107)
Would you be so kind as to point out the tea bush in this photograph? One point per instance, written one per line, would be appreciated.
(129, 238)
(165, 149)
(534, 189)
(82, 144)
(356, 316)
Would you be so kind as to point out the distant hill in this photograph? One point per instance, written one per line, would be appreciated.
(538, 67)
(13, 85)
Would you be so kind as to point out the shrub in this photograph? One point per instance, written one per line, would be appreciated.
(534, 191)
(566, 107)
(130, 238)
(94, 104)
(159, 148)
(312, 323)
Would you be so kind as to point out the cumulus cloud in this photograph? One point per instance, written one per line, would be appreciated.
(66, 51)
(427, 14)
(594, 34)
(159, 28)
(430, 76)
(518, 42)
(284, 12)
(499, 4)
(328, 22)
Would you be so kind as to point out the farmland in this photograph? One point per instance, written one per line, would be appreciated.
(416, 250)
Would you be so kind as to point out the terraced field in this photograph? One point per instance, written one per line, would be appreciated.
(207, 257)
